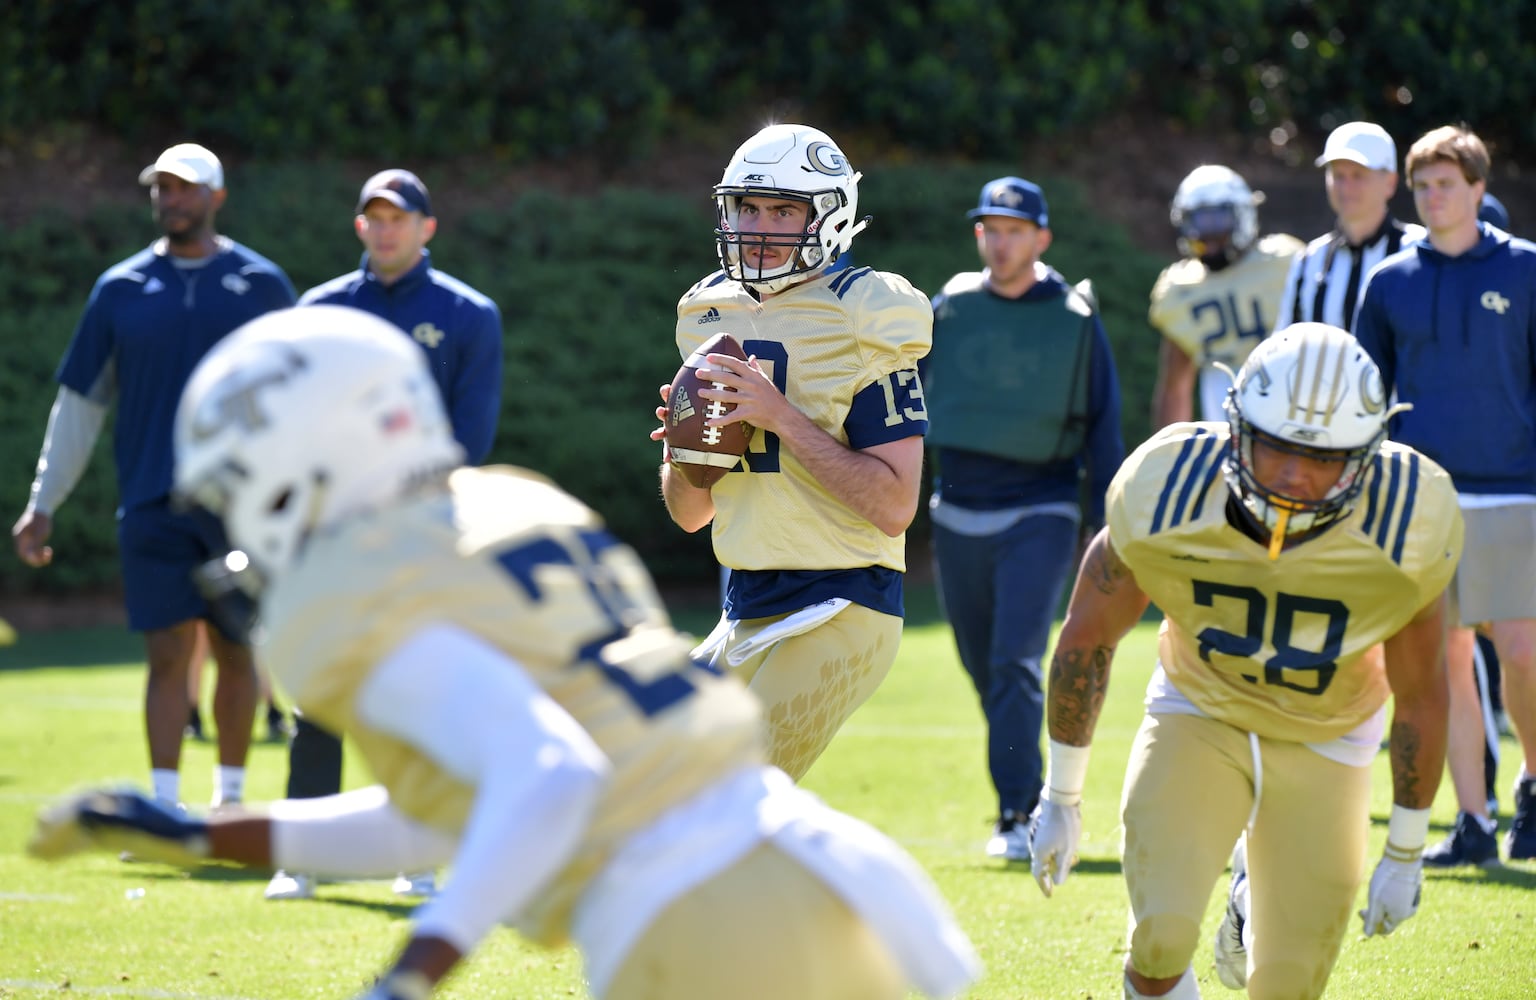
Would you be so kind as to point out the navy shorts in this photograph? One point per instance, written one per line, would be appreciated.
(160, 548)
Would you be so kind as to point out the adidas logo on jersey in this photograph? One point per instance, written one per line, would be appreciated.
(153, 285)
(713, 316)
(682, 406)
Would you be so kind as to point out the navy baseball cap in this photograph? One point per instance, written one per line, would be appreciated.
(1015, 198)
(400, 188)
(1492, 211)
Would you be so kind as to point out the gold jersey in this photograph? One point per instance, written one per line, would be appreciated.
(1287, 648)
(508, 557)
(843, 348)
(1222, 315)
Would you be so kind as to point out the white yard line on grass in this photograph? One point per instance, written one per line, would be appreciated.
(113, 991)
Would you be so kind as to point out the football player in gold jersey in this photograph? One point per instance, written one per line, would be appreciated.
(1299, 560)
(812, 523)
(1215, 304)
(510, 676)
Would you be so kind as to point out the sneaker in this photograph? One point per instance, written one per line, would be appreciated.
(1520, 843)
(1231, 949)
(1468, 844)
(194, 729)
(285, 886)
(421, 885)
(1010, 838)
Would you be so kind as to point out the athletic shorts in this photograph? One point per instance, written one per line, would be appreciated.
(1496, 578)
(160, 548)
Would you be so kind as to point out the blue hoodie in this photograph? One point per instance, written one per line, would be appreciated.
(1456, 337)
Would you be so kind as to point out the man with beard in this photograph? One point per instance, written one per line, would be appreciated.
(147, 323)
(1024, 423)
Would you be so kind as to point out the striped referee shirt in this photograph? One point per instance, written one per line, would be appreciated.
(1324, 282)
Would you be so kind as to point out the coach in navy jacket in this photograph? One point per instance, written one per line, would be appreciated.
(460, 331)
(457, 327)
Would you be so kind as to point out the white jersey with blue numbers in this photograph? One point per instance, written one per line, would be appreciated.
(843, 348)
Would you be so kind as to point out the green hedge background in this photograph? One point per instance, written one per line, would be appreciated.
(614, 121)
(588, 287)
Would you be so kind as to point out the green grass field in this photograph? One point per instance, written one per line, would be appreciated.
(912, 761)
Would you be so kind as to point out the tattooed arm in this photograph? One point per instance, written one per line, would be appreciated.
(1416, 670)
(1106, 603)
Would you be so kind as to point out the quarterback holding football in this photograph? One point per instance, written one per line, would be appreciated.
(811, 520)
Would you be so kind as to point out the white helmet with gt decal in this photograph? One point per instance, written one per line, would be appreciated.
(304, 417)
(798, 163)
(1311, 390)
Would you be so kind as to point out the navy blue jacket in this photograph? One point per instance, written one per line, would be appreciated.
(145, 327)
(1456, 337)
(986, 482)
(457, 327)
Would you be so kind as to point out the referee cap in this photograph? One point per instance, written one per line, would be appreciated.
(192, 163)
(1365, 143)
(1015, 198)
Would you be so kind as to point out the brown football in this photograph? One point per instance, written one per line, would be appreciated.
(702, 453)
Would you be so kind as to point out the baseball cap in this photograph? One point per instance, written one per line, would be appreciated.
(1365, 143)
(1492, 211)
(400, 188)
(192, 163)
(1013, 197)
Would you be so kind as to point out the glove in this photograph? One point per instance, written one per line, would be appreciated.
(116, 821)
(1054, 831)
(1394, 895)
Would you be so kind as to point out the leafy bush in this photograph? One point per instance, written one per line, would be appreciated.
(542, 79)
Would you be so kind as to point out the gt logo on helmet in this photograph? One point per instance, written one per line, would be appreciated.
(826, 158)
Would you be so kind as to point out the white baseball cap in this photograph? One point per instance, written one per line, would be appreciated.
(1365, 143)
(192, 163)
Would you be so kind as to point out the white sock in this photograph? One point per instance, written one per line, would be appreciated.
(1185, 989)
(228, 784)
(166, 785)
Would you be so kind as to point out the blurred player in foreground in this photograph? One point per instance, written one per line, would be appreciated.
(1300, 561)
(511, 678)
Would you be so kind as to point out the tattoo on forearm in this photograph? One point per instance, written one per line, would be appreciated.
(1079, 678)
(1406, 744)
(1105, 570)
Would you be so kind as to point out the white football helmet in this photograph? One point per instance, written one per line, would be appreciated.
(794, 162)
(1216, 215)
(1311, 390)
(304, 417)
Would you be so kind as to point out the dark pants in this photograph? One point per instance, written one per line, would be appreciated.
(1493, 697)
(1000, 593)
(314, 761)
